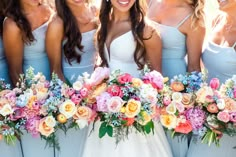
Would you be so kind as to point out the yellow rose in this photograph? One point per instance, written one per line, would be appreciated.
(136, 82)
(145, 118)
(83, 112)
(168, 121)
(132, 108)
(68, 108)
(44, 129)
(31, 101)
(122, 110)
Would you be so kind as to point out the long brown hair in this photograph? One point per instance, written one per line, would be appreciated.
(2, 14)
(14, 11)
(71, 32)
(137, 14)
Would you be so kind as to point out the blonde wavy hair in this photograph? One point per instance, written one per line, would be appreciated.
(198, 17)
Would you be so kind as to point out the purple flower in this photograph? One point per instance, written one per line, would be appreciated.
(32, 125)
(196, 116)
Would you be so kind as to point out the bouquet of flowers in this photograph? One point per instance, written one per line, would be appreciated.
(127, 103)
(10, 120)
(220, 108)
(179, 113)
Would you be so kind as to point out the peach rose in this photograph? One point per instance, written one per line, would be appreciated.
(186, 99)
(177, 86)
(45, 126)
(132, 108)
(230, 104)
(67, 108)
(83, 112)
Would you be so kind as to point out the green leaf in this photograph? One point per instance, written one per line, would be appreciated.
(102, 130)
(147, 128)
(110, 130)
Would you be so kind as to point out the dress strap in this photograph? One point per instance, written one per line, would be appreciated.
(234, 45)
(181, 22)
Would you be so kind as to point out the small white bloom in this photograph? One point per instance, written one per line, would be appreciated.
(220, 104)
(82, 123)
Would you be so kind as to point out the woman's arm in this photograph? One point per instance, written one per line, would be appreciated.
(153, 46)
(194, 42)
(14, 49)
(54, 37)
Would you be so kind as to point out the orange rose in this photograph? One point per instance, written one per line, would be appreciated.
(129, 121)
(177, 86)
(212, 108)
(61, 118)
(186, 99)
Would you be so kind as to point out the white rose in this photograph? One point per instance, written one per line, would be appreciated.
(68, 108)
(82, 123)
(171, 108)
(177, 96)
(77, 85)
(6, 110)
(50, 121)
(220, 104)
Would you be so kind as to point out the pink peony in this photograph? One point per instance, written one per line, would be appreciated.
(223, 116)
(102, 102)
(84, 92)
(215, 83)
(155, 79)
(124, 78)
(99, 74)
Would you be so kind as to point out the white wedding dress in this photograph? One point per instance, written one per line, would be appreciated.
(137, 145)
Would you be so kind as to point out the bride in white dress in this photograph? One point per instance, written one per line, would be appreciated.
(126, 41)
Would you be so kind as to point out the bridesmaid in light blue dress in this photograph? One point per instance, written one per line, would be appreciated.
(71, 53)
(5, 149)
(219, 58)
(179, 22)
(24, 42)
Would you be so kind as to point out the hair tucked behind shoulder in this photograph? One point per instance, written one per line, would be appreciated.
(137, 14)
(198, 17)
(71, 32)
(14, 12)
(2, 14)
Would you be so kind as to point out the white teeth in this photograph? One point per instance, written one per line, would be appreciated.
(123, 3)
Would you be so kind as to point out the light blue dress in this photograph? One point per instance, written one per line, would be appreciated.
(3, 64)
(221, 63)
(72, 144)
(5, 150)
(35, 56)
(174, 52)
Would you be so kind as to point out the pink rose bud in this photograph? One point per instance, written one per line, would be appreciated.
(215, 83)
